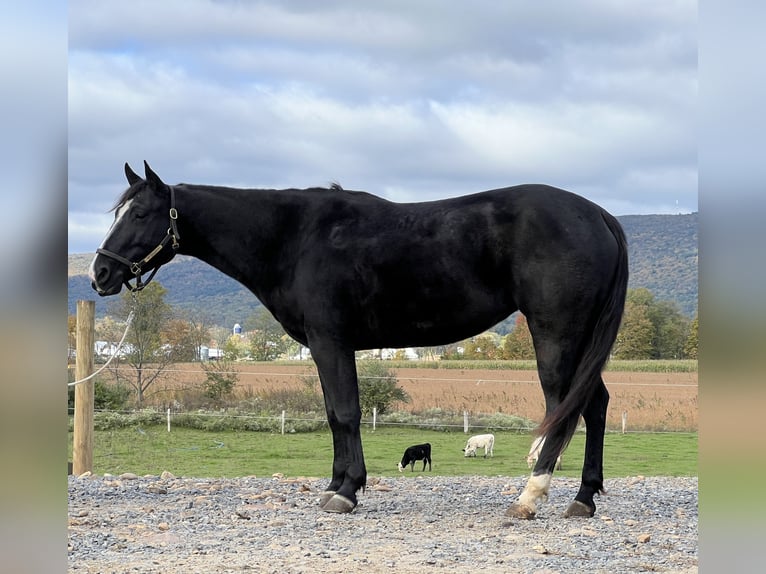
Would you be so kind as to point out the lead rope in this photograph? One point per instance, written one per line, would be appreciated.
(117, 350)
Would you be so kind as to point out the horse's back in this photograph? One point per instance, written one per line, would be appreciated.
(498, 218)
(417, 274)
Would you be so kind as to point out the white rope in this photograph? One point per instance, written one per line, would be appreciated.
(114, 354)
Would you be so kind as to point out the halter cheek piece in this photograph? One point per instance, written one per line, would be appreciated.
(135, 267)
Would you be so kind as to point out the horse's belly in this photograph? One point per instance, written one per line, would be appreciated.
(418, 329)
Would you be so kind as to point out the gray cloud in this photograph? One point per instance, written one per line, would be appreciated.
(412, 101)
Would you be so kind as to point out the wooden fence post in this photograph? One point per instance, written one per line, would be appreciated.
(82, 449)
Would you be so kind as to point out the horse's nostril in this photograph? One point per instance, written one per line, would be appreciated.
(99, 276)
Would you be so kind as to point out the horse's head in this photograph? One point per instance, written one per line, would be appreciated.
(142, 237)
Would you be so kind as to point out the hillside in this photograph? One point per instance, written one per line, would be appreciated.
(662, 251)
(192, 285)
(663, 256)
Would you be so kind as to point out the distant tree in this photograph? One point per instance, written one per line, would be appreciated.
(431, 353)
(235, 347)
(220, 378)
(219, 335)
(110, 331)
(669, 328)
(292, 347)
(692, 341)
(200, 331)
(146, 353)
(634, 339)
(517, 344)
(266, 336)
(453, 352)
(184, 337)
(378, 387)
(484, 346)
(177, 334)
(400, 355)
(640, 296)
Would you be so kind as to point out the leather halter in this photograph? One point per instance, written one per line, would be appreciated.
(135, 267)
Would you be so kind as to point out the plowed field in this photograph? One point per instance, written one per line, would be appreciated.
(651, 401)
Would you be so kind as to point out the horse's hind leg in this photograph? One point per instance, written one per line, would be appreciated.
(538, 485)
(555, 376)
(592, 470)
(337, 373)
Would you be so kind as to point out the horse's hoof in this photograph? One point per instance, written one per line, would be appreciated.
(517, 510)
(325, 497)
(339, 504)
(579, 509)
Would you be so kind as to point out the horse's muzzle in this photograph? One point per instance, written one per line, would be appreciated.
(106, 291)
(98, 289)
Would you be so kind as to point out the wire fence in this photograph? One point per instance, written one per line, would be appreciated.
(487, 402)
(292, 423)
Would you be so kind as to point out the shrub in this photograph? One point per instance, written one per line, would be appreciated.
(109, 420)
(220, 379)
(378, 387)
(106, 396)
(499, 421)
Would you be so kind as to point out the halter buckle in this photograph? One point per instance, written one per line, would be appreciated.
(174, 238)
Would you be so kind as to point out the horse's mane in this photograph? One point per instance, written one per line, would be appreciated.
(127, 194)
(133, 189)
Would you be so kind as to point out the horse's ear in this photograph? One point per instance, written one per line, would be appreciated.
(152, 177)
(133, 178)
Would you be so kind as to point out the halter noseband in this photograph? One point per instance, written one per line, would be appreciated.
(135, 267)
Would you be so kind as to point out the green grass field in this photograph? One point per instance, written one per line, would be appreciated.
(194, 453)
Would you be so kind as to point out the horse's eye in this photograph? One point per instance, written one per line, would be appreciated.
(139, 214)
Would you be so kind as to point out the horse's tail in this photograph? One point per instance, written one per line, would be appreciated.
(560, 424)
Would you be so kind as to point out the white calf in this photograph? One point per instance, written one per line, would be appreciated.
(485, 441)
(534, 453)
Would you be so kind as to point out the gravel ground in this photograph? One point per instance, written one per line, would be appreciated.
(415, 523)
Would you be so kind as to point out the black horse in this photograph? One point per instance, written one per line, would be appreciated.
(345, 270)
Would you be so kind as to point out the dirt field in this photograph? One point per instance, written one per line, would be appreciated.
(652, 401)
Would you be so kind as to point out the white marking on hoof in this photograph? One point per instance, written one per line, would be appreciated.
(339, 504)
(535, 491)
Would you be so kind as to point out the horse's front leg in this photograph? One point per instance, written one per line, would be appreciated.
(337, 373)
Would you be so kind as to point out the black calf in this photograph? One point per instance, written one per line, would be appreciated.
(415, 453)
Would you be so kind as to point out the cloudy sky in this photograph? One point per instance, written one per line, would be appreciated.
(412, 101)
